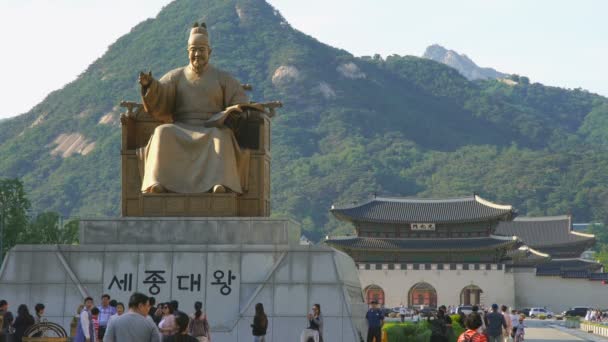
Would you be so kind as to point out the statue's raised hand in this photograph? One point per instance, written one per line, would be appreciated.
(145, 79)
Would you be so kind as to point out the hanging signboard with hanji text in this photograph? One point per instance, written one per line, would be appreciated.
(422, 226)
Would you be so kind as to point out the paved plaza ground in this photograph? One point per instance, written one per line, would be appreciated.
(545, 331)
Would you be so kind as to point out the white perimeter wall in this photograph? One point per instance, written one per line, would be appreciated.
(557, 293)
(497, 285)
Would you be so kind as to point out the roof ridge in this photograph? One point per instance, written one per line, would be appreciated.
(541, 218)
(423, 200)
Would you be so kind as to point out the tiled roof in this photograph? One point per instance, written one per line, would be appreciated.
(574, 264)
(369, 243)
(414, 210)
(573, 274)
(539, 232)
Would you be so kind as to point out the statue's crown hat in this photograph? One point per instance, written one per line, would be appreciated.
(198, 35)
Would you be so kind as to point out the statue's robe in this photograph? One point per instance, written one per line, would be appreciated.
(184, 156)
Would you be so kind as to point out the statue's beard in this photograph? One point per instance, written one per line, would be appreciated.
(198, 65)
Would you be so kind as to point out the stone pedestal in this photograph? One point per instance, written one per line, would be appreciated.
(229, 264)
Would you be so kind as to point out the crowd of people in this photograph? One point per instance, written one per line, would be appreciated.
(595, 315)
(13, 327)
(142, 321)
(494, 325)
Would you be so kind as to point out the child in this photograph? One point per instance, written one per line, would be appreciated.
(520, 332)
(95, 319)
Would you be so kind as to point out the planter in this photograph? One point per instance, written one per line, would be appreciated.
(573, 322)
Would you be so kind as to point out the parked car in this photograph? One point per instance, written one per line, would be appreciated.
(428, 312)
(465, 309)
(579, 311)
(386, 311)
(525, 311)
(408, 312)
(535, 312)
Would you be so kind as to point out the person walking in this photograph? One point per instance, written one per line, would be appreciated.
(495, 325)
(315, 319)
(105, 312)
(472, 323)
(402, 312)
(181, 325)
(439, 329)
(167, 323)
(199, 326)
(85, 331)
(39, 318)
(507, 331)
(120, 310)
(260, 324)
(95, 319)
(133, 326)
(39, 313)
(23, 321)
(482, 328)
(152, 311)
(6, 330)
(375, 320)
(521, 329)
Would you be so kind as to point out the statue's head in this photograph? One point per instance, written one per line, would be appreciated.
(199, 48)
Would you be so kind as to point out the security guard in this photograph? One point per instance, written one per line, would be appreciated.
(375, 320)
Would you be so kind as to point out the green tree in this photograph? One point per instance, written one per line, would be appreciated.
(602, 256)
(13, 212)
(48, 228)
(45, 228)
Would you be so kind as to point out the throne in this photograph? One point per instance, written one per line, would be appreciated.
(252, 131)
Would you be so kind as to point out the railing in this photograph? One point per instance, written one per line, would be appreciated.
(595, 328)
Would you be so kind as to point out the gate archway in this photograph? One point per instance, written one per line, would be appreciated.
(471, 295)
(374, 293)
(422, 294)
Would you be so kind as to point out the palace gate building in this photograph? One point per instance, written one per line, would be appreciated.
(428, 252)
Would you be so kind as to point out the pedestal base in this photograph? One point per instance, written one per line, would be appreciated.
(229, 278)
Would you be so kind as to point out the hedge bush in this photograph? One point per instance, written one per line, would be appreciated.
(418, 332)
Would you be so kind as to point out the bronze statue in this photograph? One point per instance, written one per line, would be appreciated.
(193, 152)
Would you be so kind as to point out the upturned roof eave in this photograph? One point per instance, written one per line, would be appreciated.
(581, 241)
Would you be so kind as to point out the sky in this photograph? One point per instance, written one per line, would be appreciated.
(48, 43)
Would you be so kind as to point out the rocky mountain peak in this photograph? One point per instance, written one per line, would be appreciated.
(460, 62)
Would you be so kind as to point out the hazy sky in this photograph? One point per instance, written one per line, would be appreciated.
(48, 43)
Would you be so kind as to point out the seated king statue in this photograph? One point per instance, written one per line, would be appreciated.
(186, 154)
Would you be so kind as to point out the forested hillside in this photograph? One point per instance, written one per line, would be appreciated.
(350, 126)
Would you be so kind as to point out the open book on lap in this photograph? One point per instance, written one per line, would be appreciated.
(218, 119)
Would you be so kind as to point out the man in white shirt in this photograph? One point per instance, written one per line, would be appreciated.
(402, 312)
(85, 331)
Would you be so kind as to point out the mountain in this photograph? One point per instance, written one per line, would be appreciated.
(350, 127)
(462, 63)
